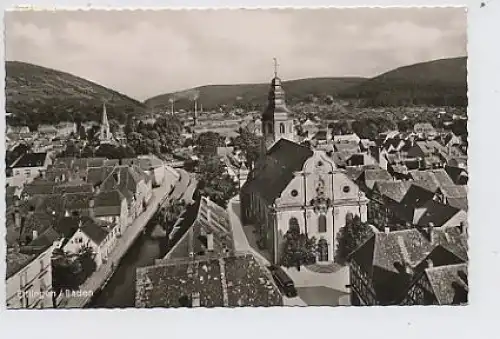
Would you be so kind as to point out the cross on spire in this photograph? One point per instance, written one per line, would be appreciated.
(275, 67)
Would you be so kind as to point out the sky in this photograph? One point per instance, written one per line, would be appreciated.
(152, 52)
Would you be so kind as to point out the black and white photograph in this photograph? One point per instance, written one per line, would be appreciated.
(236, 157)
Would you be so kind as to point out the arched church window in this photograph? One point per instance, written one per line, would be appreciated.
(322, 223)
(293, 224)
(282, 128)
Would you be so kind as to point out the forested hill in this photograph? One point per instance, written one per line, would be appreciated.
(37, 95)
(439, 82)
(251, 96)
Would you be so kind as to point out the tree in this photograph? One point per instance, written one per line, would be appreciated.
(86, 257)
(114, 126)
(214, 182)
(167, 216)
(298, 249)
(250, 145)
(115, 152)
(66, 271)
(207, 143)
(350, 237)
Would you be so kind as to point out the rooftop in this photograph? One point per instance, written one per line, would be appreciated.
(31, 160)
(228, 281)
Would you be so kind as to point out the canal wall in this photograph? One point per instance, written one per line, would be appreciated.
(99, 278)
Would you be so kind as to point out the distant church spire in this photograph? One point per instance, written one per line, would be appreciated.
(105, 133)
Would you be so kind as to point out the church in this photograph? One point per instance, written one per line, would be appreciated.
(294, 186)
(105, 135)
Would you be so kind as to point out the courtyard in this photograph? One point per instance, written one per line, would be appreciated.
(317, 285)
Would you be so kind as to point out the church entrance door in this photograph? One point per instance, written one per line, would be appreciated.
(322, 250)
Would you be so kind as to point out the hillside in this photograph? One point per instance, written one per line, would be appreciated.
(251, 96)
(438, 82)
(36, 95)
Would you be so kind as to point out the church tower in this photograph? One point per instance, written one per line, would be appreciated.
(105, 133)
(276, 120)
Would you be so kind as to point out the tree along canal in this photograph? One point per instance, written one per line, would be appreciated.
(120, 289)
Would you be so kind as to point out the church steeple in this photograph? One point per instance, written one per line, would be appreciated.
(105, 133)
(276, 120)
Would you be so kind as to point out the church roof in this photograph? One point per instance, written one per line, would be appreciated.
(277, 170)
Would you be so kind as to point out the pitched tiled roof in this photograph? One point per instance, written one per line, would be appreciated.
(436, 213)
(210, 219)
(95, 230)
(346, 147)
(449, 283)
(384, 256)
(391, 189)
(454, 191)
(429, 147)
(281, 162)
(431, 179)
(459, 203)
(373, 175)
(245, 283)
(38, 188)
(83, 188)
(31, 160)
(16, 260)
(76, 201)
(320, 135)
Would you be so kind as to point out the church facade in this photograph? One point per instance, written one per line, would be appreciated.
(293, 186)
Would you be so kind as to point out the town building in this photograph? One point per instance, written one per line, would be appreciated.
(28, 167)
(292, 185)
(201, 254)
(425, 266)
(30, 241)
(236, 280)
(79, 232)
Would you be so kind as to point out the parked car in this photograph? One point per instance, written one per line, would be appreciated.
(284, 282)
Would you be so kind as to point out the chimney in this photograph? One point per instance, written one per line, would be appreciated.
(35, 234)
(210, 242)
(387, 230)
(116, 176)
(17, 218)
(209, 215)
(195, 299)
(191, 242)
(463, 228)
(430, 232)
(430, 264)
(91, 207)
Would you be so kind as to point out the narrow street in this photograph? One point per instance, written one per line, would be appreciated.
(242, 244)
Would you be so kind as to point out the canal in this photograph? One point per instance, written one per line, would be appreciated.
(120, 289)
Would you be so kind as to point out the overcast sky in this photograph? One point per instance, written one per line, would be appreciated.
(146, 53)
